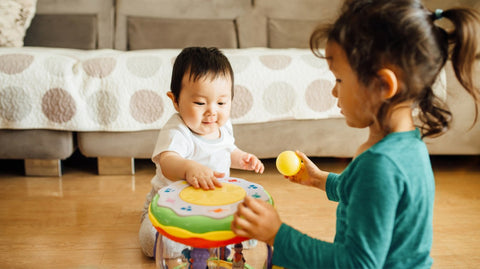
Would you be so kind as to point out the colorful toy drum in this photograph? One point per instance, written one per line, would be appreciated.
(201, 219)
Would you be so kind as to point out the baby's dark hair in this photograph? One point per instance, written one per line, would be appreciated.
(199, 62)
(376, 34)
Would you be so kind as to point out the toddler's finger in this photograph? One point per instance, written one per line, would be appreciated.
(301, 155)
(304, 158)
(238, 225)
(254, 207)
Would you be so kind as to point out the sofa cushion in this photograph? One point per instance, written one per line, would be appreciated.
(63, 31)
(154, 33)
(35, 144)
(94, 144)
(286, 33)
(15, 17)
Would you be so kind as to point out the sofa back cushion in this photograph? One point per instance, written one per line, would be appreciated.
(147, 24)
(157, 33)
(86, 24)
(63, 31)
(287, 33)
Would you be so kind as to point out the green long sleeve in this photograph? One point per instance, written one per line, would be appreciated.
(384, 214)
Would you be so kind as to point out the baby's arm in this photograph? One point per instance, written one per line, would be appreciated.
(247, 161)
(174, 167)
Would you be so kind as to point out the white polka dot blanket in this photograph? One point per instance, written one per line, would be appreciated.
(111, 90)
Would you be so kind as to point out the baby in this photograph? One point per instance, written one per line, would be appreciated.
(197, 143)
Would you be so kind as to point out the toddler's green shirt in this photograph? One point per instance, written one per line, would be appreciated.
(384, 215)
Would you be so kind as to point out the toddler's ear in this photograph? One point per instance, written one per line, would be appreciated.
(389, 82)
(174, 100)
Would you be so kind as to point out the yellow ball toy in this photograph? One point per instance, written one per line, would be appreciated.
(288, 163)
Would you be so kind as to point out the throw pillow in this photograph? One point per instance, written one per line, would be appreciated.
(15, 18)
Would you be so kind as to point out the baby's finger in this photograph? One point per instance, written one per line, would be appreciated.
(261, 168)
(217, 183)
(204, 184)
(247, 158)
(213, 182)
(218, 174)
(194, 182)
(257, 168)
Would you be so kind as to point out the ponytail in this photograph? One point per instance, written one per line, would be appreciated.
(464, 40)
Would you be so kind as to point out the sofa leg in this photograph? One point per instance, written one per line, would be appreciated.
(115, 166)
(44, 168)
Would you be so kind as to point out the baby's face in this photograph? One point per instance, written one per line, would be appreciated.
(205, 104)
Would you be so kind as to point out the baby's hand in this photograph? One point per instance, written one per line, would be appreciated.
(251, 162)
(200, 176)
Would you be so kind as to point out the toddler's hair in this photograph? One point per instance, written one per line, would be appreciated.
(376, 34)
(199, 62)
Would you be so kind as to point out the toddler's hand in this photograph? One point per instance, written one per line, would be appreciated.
(200, 176)
(309, 174)
(256, 219)
(304, 175)
(251, 162)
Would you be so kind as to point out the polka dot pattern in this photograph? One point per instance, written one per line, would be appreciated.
(146, 106)
(279, 98)
(99, 67)
(15, 104)
(242, 102)
(318, 95)
(276, 62)
(314, 61)
(103, 107)
(58, 105)
(15, 63)
(108, 90)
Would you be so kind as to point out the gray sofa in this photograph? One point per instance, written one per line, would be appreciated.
(125, 25)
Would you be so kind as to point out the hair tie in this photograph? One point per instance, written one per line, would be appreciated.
(438, 14)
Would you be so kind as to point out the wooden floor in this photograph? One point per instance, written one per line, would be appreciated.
(87, 221)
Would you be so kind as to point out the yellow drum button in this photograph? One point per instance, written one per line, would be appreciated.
(227, 194)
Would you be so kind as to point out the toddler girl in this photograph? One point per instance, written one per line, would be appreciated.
(385, 55)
